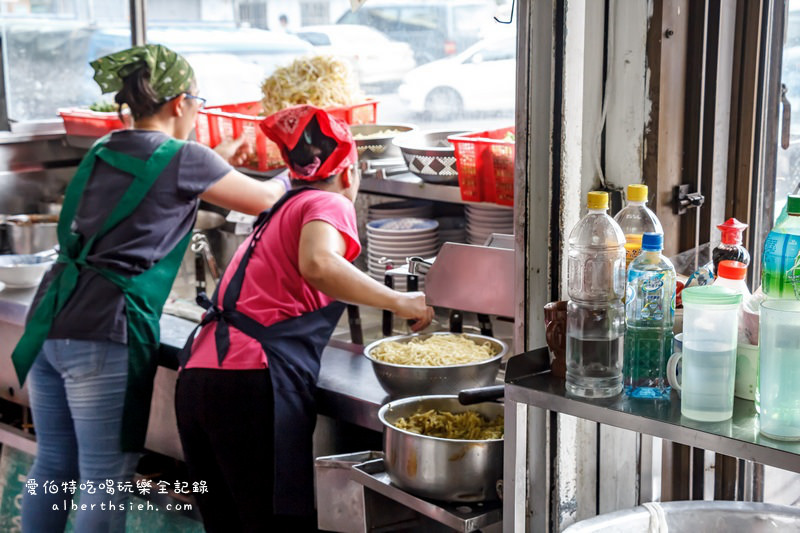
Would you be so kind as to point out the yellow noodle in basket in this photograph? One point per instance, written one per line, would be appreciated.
(469, 425)
(436, 350)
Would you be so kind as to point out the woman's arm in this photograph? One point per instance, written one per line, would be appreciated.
(322, 264)
(244, 194)
(237, 191)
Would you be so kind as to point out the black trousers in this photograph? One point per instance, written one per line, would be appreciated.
(226, 425)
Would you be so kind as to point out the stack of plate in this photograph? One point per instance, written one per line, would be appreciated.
(396, 239)
(400, 209)
(483, 220)
(452, 229)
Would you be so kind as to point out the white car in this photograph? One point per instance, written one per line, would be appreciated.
(375, 58)
(482, 78)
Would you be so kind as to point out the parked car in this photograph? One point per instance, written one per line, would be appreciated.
(433, 28)
(375, 58)
(230, 61)
(482, 78)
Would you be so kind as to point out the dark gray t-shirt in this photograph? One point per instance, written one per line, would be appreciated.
(96, 309)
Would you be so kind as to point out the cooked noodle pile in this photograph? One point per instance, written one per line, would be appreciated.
(436, 350)
(323, 81)
(469, 425)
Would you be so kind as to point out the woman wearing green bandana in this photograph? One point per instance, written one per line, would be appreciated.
(88, 350)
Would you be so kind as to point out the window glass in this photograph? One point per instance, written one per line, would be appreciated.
(437, 63)
(788, 164)
(47, 49)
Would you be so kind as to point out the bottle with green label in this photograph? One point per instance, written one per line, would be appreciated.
(780, 268)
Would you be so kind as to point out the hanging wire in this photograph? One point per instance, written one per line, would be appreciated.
(511, 16)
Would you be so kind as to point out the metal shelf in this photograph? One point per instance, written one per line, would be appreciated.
(457, 516)
(408, 185)
(737, 437)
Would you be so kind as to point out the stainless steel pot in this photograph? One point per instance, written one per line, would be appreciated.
(441, 469)
(694, 516)
(30, 234)
(403, 380)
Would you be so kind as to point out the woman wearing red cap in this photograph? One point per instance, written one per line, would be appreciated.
(245, 395)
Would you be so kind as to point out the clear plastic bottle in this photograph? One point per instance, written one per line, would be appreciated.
(649, 312)
(595, 314)
(780, 267)
(636, 219)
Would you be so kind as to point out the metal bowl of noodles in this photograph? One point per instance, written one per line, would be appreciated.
(439, 468)
(405, 380)
(374, 141)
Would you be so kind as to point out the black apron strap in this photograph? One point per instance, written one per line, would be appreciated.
(227, 315)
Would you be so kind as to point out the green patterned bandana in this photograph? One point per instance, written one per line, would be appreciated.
(170, 73)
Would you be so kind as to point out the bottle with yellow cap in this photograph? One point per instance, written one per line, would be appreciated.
(595, 313)
(636, 219)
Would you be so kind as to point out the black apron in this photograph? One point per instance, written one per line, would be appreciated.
(293, 349)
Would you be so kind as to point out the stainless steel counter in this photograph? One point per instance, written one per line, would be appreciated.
(737, 437)
(348, 388)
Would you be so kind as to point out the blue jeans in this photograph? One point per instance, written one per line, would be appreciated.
(77, 391)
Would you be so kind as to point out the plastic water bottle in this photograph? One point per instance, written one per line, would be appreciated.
(780, 268)
(636, 219)
(649, 311)
(731, 274)
(595, 314)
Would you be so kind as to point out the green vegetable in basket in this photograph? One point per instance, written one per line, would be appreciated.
(104, 107)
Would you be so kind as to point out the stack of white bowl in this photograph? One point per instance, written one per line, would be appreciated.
(400, 209)
(395, 239)
(452, 229)
(483, 220)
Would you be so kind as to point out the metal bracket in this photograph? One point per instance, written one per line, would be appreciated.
(682, 199)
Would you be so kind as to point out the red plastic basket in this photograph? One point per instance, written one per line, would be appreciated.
(485, 163)
(217, 123)
(88, 123)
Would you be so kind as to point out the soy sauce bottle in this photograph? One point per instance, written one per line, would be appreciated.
(730, 249)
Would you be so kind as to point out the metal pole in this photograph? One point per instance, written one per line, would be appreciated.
(138, 17)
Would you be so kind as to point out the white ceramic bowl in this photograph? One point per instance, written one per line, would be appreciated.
(23, 271)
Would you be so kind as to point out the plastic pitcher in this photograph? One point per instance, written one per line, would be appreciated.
(779, 369)
(710, 329)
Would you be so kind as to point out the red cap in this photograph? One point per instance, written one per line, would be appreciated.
(286, 127)
(732, 231)
(731, 269)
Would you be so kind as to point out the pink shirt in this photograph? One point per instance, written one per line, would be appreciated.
(273, 289)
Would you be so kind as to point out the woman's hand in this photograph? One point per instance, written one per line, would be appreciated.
(234, 151)
(412, 305)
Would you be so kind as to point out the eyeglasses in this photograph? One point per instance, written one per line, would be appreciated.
(200, 100)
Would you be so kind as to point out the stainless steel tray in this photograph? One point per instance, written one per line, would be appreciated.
(460, 517)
